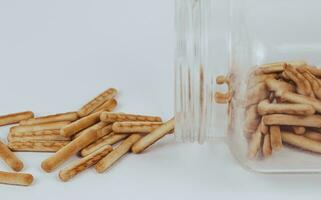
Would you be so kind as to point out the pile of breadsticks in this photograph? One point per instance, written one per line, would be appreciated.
(98, 135)
(283, 105)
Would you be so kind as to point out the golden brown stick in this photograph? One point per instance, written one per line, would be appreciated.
(256, 79)
(15, 118)
(265, 108)
(98, 101)
(301, 142)
(313, 135)
(255, 143)
(109, 106)
(106, 140)
(16, 178)
(37, 146)
(84, 163)
(252, 120)
(266, 149)
(70, 116)
(10, 158)
(314, 83)
(120, 117)
(46, 135)
(313, 70)
(257, 94)
(271, 68)
(154, 136)
(86, 138)
(39, 127)
(135, 127)
(299, 130)
(80, 124)
(275, 137)
(264, 128)
(297, 98)
(117, 153)
(103, 131)
(223, 98)
(293, 120)
(278, 86)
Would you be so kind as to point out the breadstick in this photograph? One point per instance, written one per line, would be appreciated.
(265, 108)
(278, 86)
(80, 124)
(13, 178)
(298, 130)
(254, 144)
(135, 127)
(46, 135)
(154, 136)
(37, 146)
(252, 120)
(297, 63)
(84, 163)
(257, 94)
(314, 83)
(294, 120)
(10, 158)
(106, 140)
(120, 117)
(70, 116)
(86, 138)
(313, 135)
(266, 149)
(297, 98)
(256, 79)
(275, 137)
(271, 68)
(96, 102)
(264, 128)
(39, 127)
(109, 106)
(301, 142)
(222, 98)
(313, 70)
(117, 153)
(15, 118)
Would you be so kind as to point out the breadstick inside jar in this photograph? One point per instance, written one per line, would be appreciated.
(301, 142)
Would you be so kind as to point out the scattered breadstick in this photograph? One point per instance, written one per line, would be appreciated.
(45, 135)
(106, 140)
(265, 108)
(135, 127)
(84, 163)
(15, 118)
(255, 143)
(297, 98)
(252, 120)
(154, 136)
(14, 178)
(39, 127)
(103, 131)
(293, 120)
(299, 130)
(267, 149)
(270, 68)
(257, 94)
(109, 106)
(120, 117)
(278, 86)
(70, 116)
(117, 153)
(37, 146)
(10, 158)
(98, 101)
(86, 138)
(313, 135)
(275, 137)
(80, 124)
(301, 142)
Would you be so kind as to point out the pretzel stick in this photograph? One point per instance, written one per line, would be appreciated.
(120, 117)
(252, 120)
(257, 94)
(313, 135)
(109, 106)
(135, 127)
(294, 120)
(267, 149)
(275, 136)
(106, 140)
(154, 136)
(15, 118)
(86, 138)
(80, 124)
(39, 127)
(265, 108)
(84, 163)
(254, 144)
(96, 102)
(13, 178)
(70, 116)
(301, 142)
(297, 98)
(10, 158)
(37, 146)
(117, 153)
(46, 135)
(299, 130)
(278, 86)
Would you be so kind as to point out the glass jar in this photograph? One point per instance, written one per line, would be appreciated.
(267, 51)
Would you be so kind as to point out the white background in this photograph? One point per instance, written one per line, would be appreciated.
(56, 55)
